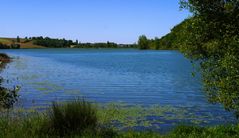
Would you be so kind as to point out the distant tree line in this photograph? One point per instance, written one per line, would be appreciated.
(12, 46)
(63, 43)
(104, 45)
(97, 45)
(52, 43)
(4, 46)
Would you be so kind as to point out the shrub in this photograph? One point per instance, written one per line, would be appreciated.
(4, 46)
(75, 117)
(8, 97)
(15, 46)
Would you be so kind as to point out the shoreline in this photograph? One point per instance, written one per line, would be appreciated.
(4, 58)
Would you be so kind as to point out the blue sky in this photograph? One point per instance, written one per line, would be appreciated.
(120, 21)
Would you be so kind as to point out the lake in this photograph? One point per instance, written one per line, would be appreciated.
(128, 76)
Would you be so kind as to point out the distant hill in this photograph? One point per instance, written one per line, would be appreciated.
(24, 43)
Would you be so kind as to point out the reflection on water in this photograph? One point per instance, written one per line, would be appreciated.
(128, 76)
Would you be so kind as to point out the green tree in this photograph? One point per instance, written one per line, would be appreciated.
(143, 42)
(211, 37)
(77, 42)
(18, 39)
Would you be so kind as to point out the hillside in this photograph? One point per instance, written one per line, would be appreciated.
(23, 43)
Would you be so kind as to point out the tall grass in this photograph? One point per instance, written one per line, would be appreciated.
(75, 117)
(229, 131)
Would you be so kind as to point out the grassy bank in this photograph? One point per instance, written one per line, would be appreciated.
(82, 119)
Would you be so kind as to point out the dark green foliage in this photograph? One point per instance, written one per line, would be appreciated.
(3, 46)
(10, 45)
(18, 39)
(169, 41)
(211, 36)
(75, 117)
(26, 40)
(7, 97)
(15, 46)
(52, 43)
(104, 45)
(62, 43)
(166, 42)
(173, 39)
(77, 42)
(143, 42)
(97, 45)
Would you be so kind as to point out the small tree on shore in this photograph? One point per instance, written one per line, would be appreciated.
(143, 42)
(18, 39)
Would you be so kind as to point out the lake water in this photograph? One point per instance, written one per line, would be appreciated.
(127, 76)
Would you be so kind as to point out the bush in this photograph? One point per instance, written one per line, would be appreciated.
(4, 46)
(8, 97)
(15, 46)
(75, 117)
